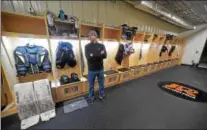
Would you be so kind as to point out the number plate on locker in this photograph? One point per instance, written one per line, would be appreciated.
(125, 76)
(70, 90)
(111, 79)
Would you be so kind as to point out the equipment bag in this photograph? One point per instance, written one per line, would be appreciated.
(65, 55)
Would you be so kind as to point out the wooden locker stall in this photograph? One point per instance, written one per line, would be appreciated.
(111, 38)
(182, 45)
(84, 29)
(151, 51)
(167, 61)
(176, 52)
(8, 106)
(155, 53)
(70, 90)
(176, 49)
(163, 55)
(157, 47)
(143, 62)
(178, 46)
(134, 58)
(172, 53)
(18, 30)
(124, 69)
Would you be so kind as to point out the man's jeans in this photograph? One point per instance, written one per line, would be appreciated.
(91, 80)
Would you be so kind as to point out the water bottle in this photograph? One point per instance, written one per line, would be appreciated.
(62, 14)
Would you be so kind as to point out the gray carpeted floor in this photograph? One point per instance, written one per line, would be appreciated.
(136, 104)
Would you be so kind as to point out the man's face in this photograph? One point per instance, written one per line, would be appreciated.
(92, 38)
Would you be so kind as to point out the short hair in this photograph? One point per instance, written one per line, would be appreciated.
(92, 33)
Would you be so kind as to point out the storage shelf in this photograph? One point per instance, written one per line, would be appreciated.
(63, 37)
(10, 111)
(86, 38)
(33, 77)
(126, 41)
(65, 21)
(20, 23)
(114, 28)
(111, 34)
(24, 35)
(139, 37)
(113, 40)
(92, 25)
(23, 15)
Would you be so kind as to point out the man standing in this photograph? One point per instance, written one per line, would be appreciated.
(95, 53)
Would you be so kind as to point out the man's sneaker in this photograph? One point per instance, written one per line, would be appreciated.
(91, 100)
(102, 98)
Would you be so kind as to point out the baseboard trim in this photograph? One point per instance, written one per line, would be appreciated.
(186, 65)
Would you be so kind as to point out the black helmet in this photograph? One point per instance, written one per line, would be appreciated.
(64, 79)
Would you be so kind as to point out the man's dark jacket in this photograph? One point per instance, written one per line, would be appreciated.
(94, 56)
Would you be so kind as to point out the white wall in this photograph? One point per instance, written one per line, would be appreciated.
(188, 33)
(194, 43)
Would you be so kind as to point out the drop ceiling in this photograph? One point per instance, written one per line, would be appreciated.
(194, 12)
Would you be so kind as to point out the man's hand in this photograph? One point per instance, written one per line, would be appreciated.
(91, 54)
(102, 52)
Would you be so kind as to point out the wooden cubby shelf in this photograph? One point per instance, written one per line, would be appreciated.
(17, 23)
(24, 35)
(148, 37)
(155, 38)
(139, 37)
(85, 28)
(63, 38)
(111, 34)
